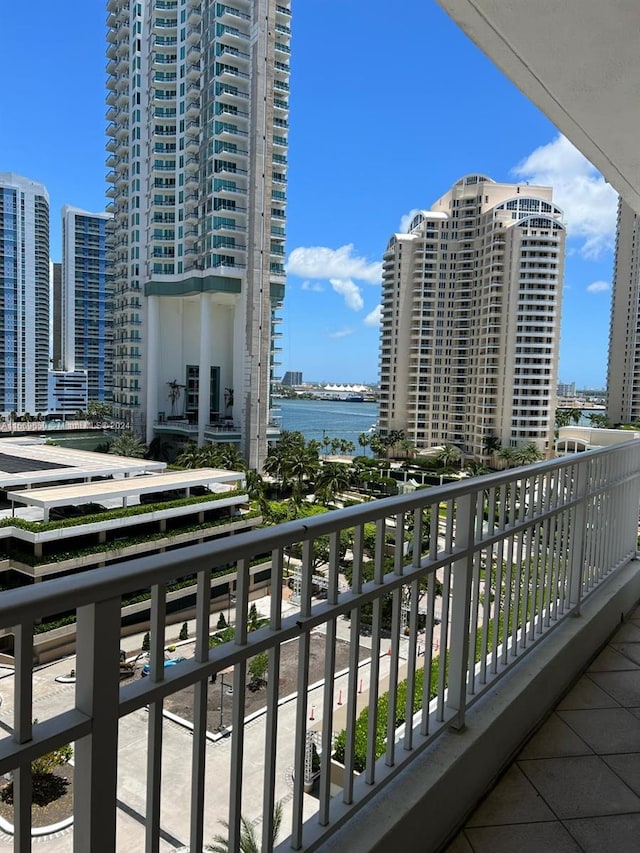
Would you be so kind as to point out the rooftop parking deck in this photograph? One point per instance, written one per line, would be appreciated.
(124, 489)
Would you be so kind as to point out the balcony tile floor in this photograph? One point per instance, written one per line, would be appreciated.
(575, 786)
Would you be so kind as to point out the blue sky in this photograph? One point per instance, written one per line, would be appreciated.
(388, 109)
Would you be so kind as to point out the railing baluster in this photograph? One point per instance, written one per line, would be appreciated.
(329, 683)
(200, 688)
(300, 744)
(411, 665)
(461, 602)
(237, 713)
(374, 674)
(154, 732)
(22, 733)
(428, 653)
(273, 682)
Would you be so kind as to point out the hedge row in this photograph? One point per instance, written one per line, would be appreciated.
(104, 547)
(120, 512)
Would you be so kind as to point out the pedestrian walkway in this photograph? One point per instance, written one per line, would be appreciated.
(576, 784)
(52, 696)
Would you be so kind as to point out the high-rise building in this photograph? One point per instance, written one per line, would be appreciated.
(24, 284)
(197, 151)
(86, 304)
(623, 381)
(471, 299)
(55, 303)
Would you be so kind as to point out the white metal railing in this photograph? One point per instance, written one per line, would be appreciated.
(502, 559)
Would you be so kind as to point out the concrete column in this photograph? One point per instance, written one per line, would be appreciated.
(153, 344)
(204, 361)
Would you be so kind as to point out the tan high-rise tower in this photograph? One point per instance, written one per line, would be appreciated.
(471, 299)
(623, 380)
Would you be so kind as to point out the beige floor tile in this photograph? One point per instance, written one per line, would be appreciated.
(554, 739)
(522, 838)
(624, 687)
(605, 730)
(627, 768)
(620, 833)
(629, 650)
(586, 694)
(580, 786)
(513, 800)
(610, 660)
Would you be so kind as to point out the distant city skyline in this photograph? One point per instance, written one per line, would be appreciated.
(363, 155)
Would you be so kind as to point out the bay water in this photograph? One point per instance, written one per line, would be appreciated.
(334, 418)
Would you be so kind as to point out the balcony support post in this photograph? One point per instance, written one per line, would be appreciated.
(22, 724)
(578, 534)
(460, 609)
(97, 696)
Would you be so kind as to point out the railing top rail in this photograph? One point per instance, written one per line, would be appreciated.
(113, 581)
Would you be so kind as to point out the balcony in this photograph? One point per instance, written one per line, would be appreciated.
(489, 578)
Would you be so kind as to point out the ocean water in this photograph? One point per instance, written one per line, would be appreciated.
(313, 418)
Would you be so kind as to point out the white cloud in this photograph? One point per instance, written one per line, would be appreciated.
(322, 262)
(341, 333)
(598, 287)
(405, 221)
(589, 203)
(373, 317)
(314, 286)
(350, 291)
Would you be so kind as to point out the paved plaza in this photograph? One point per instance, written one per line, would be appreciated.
(52, 697)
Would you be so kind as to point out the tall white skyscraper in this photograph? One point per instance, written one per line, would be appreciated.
(86, 304)
(24, 286)
(197, 151)
(623, 381)
(471, 299)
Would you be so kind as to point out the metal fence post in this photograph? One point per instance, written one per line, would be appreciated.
(96, 755)
(460, 609)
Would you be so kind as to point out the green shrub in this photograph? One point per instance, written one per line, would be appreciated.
(184, 632)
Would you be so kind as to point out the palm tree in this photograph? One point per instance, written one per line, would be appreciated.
(248, 839)
(128, 444)
(363, 441)
(300, 465)
(563, 417)
(448, 455)
(333, 477)
(526, 455)
(575, 415)
(377, 445)
(230, 458)
(475, 468)
(507, 455)
(599, 421)
(491, 445)
(273, 466)
(190, 456)
(407, 445)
